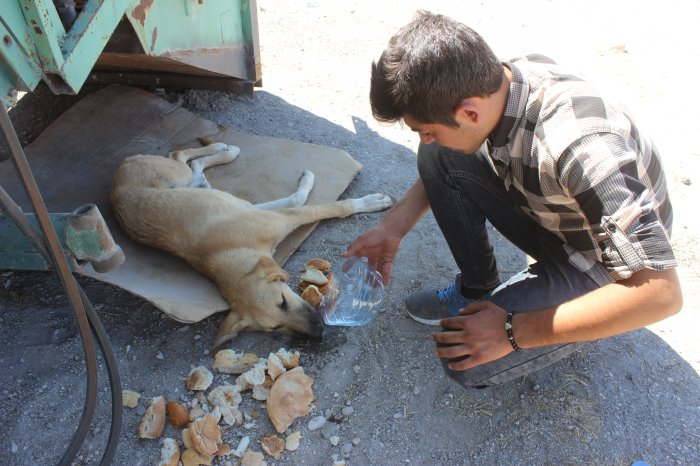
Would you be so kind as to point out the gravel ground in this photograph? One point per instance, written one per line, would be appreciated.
(631, 397)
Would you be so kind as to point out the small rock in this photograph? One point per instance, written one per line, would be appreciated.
(348, 410)
(14, 447)
(334, 440)
(159, 355)
(291, 443)
(356, 441)
(316, 422)
(346, 447)
(397, 415)
(416, 390)
(241, 448)
(329, 429)
(356, 369)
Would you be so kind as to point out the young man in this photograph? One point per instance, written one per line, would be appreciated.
(558, 169)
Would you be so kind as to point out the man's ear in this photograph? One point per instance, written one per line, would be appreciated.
(228, 329)
(469, 110)
(268, 269)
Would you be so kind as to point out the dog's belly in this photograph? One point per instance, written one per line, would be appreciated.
(192, 222)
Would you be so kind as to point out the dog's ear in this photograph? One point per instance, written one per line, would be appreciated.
(268, 269)
(228, 329)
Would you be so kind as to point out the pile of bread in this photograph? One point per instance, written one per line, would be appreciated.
(317, 284)
(278, 380)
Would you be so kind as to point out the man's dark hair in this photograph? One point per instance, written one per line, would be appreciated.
(430, 65)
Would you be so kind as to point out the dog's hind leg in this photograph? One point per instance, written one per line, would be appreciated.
(306, 183)
(204, 157)
(186, 155)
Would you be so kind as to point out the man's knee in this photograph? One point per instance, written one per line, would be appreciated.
(510, 367)
(428, 161)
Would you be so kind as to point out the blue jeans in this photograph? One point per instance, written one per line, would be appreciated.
(464, 191)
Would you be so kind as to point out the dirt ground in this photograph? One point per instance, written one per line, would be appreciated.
(628, 398)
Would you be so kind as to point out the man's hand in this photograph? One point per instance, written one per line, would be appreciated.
(379, 246)
(381, 243)
(479, 333)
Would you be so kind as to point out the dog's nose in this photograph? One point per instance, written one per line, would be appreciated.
(315, 321)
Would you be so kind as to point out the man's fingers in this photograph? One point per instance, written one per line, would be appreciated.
(448, 337)
(452, 351)
(464, 364)
(385, 271)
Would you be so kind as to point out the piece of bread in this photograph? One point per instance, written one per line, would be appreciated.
(203, 435)
(327, 287)
(169, 453)
(288, 358)
(224, 450)
(275, 367)
(314, 276)
(272, 445)
(199, 378)
(319, 264)
(192, 457)
(290, 397)
(227, 398)
(179, 417)
(303, 285)
(153, 421)
(230, 362)
(130, 398)
(312, 295)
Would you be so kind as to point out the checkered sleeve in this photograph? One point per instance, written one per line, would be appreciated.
(622, 193)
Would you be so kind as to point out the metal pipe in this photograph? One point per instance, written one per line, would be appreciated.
(55, 252)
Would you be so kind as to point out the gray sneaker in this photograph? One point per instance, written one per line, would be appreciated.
(430, 306)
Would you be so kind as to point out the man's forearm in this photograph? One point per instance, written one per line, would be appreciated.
(647, 297)
(412, 206)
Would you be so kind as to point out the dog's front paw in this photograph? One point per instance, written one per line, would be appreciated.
(372, 203)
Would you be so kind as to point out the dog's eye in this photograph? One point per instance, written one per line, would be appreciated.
(284, 305)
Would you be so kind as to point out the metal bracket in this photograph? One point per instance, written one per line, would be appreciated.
(84, 236)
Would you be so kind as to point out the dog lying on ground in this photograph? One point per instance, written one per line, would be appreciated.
(165, 203)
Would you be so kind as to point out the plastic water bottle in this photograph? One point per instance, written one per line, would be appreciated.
(355, 294)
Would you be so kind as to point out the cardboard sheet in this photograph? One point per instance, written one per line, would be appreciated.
(74, 159)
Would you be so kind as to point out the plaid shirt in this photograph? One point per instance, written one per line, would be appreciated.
(577, 164)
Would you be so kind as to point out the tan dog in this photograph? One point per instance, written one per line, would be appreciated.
(160, 202)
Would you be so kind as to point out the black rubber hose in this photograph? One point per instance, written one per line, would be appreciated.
(114, 380)
(27, 228)
(50, 248)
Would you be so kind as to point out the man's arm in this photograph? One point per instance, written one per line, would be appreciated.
(380, 243)
(646, 297)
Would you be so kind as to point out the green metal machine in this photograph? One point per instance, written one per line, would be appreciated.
(211, 44)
